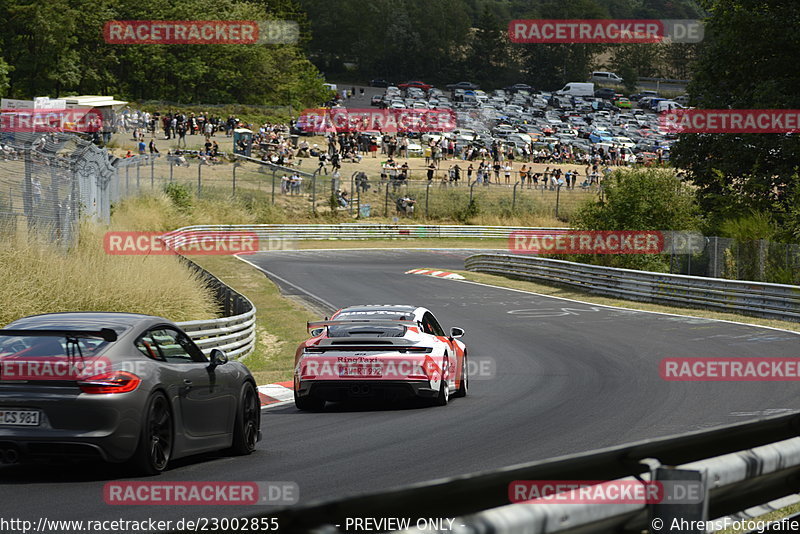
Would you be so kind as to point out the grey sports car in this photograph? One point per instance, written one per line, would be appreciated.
(122, 387)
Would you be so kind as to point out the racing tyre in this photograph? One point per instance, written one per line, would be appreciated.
(463, 384)
(248, 422)
(444, 391)
(156, 438)
(308, 403)
(444, 394)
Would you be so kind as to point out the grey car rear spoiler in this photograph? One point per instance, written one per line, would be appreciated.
(105, 334)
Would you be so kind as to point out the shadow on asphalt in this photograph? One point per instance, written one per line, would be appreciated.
(64, 470)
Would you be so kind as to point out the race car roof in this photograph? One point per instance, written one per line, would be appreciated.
(387, 311)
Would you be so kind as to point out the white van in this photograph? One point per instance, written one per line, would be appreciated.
(577, 89)
(599, 76)
(668, 105)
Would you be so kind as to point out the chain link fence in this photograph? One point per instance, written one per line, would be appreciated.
(48, 182)
(761, 261)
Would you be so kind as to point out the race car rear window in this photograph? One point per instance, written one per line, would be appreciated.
(34, 346)
(366, 330)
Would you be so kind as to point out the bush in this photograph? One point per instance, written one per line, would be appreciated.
(639, 199)
(180, 196)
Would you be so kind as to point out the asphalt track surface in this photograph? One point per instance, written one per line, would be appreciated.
(570, 377)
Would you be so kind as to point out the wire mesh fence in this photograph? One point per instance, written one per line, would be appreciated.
(48, 182)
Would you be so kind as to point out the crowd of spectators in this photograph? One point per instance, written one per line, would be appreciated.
(497, 163)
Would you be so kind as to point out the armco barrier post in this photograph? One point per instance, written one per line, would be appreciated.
(273, 185)
(683, 485)
(386, 202)
(152, 172)
(558, 196)
(314, 193)
(352, 188)
(199, 176)
(138, 181)
(514, 197)
(235, 164)
(427, 194)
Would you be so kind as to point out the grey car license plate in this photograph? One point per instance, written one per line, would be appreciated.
(19, 417)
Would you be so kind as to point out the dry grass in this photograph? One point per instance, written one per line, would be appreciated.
(155, 212)
(40, 279)
(280, 322)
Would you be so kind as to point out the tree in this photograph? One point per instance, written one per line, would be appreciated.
(550, 66)
(631, 61)
(487, 62)
(641, 199)
(745, 63)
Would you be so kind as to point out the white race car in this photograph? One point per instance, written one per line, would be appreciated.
(379, 352)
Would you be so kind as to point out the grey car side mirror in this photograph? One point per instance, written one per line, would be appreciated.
(218, 358)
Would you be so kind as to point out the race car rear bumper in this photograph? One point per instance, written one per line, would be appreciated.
(339, 390)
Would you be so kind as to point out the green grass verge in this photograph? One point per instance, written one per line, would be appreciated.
(280, 322)
(776, 515)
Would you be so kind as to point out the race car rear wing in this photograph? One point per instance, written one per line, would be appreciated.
(105, 334)
(314, 325)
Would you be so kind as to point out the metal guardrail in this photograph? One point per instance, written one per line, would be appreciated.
(235, 333)
(663, 80)
(741, 465)
(352, 231)
(775, 301)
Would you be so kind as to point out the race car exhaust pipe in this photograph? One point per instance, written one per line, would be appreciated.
(10, 456)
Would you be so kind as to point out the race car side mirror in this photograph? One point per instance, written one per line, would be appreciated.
(456, 332)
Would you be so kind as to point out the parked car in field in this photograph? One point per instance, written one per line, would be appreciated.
(462, 85)
(415, 83)
(603, 77)
(605, 93)
(517, 87)
(644, 94)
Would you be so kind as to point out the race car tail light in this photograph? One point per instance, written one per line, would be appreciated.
(113, 382)
(418, 372)
(305, 374)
